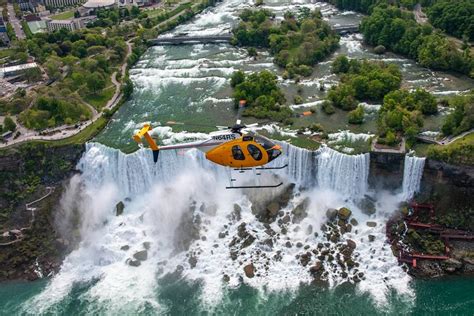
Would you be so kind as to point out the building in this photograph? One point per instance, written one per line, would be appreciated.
(38, 26)
(53, 25)
(15, 70)
(35, 6)
(51, 4)
(96, 4)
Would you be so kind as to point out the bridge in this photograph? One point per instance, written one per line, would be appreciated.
(226, 38)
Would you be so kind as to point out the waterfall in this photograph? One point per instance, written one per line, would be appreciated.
(412, 173)
(134, 173)
(346, 174)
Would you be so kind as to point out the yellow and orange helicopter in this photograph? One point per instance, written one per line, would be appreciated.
(232, 147)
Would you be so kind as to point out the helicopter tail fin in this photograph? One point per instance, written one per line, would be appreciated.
(151, 142)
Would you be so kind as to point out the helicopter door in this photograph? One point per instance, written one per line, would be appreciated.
(255, 152)
(237, 153)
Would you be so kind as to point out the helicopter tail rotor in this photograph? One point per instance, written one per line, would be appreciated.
(143, 133)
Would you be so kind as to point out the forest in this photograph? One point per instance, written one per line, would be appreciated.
(300, 41)
(398, 31)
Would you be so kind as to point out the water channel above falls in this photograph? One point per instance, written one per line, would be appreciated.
(190, 83)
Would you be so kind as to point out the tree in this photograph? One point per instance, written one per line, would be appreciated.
(340, 64)
(328, 108)
(9, 124)
(32, 74)
(95, 82)
(237, 78)
(356, 116)
(135, 11)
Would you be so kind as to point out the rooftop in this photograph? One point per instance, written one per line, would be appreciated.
(17, 68)
(91, 4)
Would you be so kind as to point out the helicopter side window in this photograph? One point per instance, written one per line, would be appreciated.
(254, 152)
(237, 153)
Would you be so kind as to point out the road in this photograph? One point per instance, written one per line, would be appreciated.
(15, 22)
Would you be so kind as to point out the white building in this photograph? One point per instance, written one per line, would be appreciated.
(62, 3)
(53, 25)
(15, 70)
(96, 4)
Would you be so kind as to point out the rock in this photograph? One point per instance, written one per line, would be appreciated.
(133, 263)
(125, 248)
(305, 258)
(192, 261)
(371, 224)
(273, 208)
(299, 244)
(318, 266)
(141, 255)
(233, 255)
(248, 241)
(451, 265)
(348, 228)
(354, 222)
(286, 219)
(268, 242)
(299, 212)
(226, 278)
(371, 238)
(344, 213)
(236, 213)
(351, 244)
(309, 230)
(146, 245)
(468, 265)
(119, 208)
(288, 244)
(249, 270)
(367, 205)
(242, 230)
(331, 214)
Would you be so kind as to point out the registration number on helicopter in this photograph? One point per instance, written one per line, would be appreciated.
(224, 137)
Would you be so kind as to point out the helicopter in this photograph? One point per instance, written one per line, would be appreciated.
(230, 147)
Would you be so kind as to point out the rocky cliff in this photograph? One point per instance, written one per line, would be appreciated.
(32, 172)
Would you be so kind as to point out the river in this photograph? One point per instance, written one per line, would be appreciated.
(190, 225)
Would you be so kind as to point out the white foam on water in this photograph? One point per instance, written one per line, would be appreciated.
(347, 135)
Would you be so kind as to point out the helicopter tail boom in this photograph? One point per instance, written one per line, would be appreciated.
(151, 142)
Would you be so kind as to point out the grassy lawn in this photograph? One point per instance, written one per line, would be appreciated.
(63, 15)
(155, 12)
(100, 100)
(5, 53)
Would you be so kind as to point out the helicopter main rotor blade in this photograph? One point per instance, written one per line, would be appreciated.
(171, 123)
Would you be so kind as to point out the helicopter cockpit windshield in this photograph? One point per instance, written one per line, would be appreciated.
(269, 147)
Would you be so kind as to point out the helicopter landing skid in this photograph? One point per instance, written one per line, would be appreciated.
(256, 173)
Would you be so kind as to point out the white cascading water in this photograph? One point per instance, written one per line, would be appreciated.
(346, 174)
(157, 197)
(412, 173)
